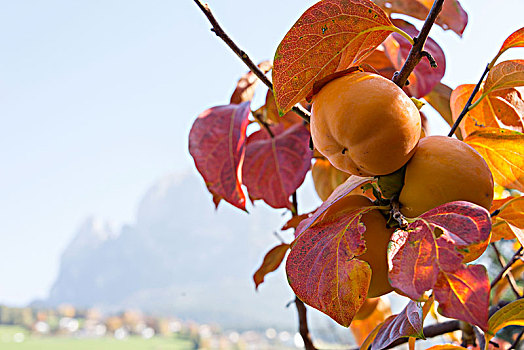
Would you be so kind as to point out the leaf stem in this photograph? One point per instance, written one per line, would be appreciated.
(415, 54)
(217, 29)
(469, 103)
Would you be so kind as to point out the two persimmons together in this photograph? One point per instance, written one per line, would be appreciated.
(366, 125)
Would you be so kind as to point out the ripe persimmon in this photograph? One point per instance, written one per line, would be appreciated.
(442, 170)
(377, 237)
(364, 124)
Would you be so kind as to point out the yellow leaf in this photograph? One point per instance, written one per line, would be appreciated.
(510, 315)
(503, 150)
(445, 347)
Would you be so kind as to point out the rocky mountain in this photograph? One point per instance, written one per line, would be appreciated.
(180, 257)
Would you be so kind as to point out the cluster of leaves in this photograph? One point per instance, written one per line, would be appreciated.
(331, 38)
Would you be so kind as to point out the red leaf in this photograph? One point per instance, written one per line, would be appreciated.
(424, 77)
(408, 323)
(340, 192)
(464, 294)
(451, 17)
(271, 262)
(245, 89)
(275, 167)
(217, 144)
(421, 256)
(322, 269)
(331, 35)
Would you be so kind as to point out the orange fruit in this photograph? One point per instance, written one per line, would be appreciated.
(442, 170)
(364, 124)
(377, 237)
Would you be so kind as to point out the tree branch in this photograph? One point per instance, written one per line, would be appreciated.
(501, 274)
(303, 327)
(217, 29)
(417, 51)
(468, 104)
(509, 275)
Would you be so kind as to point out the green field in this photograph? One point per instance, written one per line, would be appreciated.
(8, 335)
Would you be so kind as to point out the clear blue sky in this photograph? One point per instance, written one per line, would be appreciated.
(97, 98)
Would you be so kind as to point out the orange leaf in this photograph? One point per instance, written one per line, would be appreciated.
(509, 222)
(514, 40)
(451, 17)
(331, 35)
(500, 109)
(326, 178)
(503, 150)
(271, 262)
(446, 347)
(505, 75)
(439, 98)
(365, 329)
(510, 315)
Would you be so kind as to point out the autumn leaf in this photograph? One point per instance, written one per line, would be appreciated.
(326, 177)
(509, 221)
(499, 109)
(511, 314)
(271, 262)
(424, 77)
(446, 347)
(503, 150)
(439, 98)
(505, 75)
(274, 167)
(295, 221)
(217, 145)
(340, 192)
(464, 294)
(331, 35)
(323, 269)
(451, 17)
(363, 327)
(245, 89)
(408, 323)
(516, 39)
(423, 258)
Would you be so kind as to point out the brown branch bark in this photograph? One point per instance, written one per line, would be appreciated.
(417, 50)
(217, 29)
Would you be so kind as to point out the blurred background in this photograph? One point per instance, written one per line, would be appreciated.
(102, 209)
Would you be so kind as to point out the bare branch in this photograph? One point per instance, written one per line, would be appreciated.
(510, 263)
(468, 104)
(303, 327)
(417, 50)
(509, 275)
(217, 29)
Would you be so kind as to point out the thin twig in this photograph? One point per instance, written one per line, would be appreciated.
(509, 275)
(416, 52)
(501, 274)
(264, 124)
(468, 104)
(303, 327)
(517, 340)
(217, 29)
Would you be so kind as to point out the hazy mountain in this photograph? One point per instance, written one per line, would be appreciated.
(180, 257)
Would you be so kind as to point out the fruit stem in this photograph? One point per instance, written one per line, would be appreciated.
(217, 29)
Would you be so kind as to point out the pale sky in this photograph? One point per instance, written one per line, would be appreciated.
(97, 98)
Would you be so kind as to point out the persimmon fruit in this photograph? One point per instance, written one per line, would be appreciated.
(377, 237)
(442, 170)
(364, 124)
